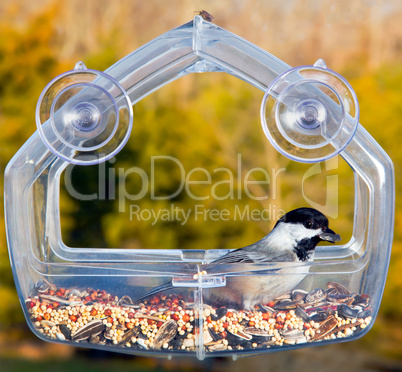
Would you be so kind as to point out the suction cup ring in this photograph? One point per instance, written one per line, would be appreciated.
(84, 116)
(310, 113)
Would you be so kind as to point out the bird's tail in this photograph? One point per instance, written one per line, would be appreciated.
(154, 291)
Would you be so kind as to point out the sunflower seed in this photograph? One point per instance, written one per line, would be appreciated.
(364, 314)
(65, 331)
(339, 287)
(294, 336)
(165, 334)
(220, 313)
(286, 305)
(215, 336)
(326, 327)
(94, 327)
(302, 314)
(47, 323)
(141, 342)
(42, 286)
(217, 346)
(314, 296)
(319, 317)
(60, 336)
(127, 336)
(347, 312)
(53, 299)
(298, 295)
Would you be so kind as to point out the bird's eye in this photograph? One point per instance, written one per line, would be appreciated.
(308, 224)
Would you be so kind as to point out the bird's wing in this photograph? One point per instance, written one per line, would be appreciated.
(253, 256)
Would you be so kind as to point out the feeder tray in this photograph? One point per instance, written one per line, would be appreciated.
(84, 117)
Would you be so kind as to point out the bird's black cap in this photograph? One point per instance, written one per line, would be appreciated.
(312, 219)
(307, 216)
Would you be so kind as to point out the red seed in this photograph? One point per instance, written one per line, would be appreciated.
(38, 318)
(130, 325)
(279, 319)
(224, 334)
(225, 325)
(46, 316)
(131, 315)
(31, 304)
(73, 318)
(265, 316)
(186, 318)
(159, 324)
(93, 312)
(156, 300)
(209, 320)
(306, 326)
(229, 314)
(94, 294)
(278, 326)
(51, 292)
(108, 312)
(271, 304)
(109, 320)
(176, 301)
(175, 316)
(251, 323)
(288, 316)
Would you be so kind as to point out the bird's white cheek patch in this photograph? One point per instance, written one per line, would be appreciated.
(299, 232)
(287, 234)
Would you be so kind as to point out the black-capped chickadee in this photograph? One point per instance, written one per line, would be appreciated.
(293, 239)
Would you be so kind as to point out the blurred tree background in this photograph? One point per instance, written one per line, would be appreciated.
(203, 121)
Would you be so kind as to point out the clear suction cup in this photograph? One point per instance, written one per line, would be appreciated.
(84, 116)
(310, 113)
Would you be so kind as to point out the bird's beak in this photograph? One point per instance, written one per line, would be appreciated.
(329, 236)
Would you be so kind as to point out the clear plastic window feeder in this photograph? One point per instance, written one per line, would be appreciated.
(309, 114)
